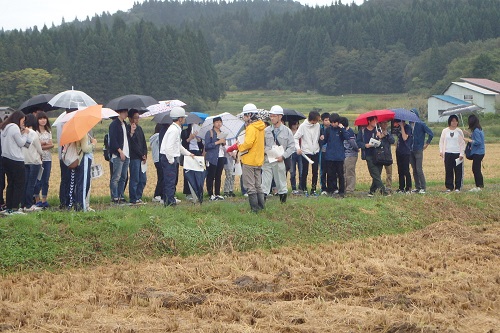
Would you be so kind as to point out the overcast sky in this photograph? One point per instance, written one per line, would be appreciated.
(23, 14)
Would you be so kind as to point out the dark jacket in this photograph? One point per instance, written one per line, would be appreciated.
(137, 143)
(211, 149)
(334, 138)
(403, 147)
(116, 138)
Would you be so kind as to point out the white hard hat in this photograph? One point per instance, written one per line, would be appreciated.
(249, 108)
(177, 112)
(276, 109)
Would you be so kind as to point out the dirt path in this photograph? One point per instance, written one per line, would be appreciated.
(444, 278)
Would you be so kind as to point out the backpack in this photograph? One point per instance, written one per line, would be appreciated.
(105, 150)
(71, 155)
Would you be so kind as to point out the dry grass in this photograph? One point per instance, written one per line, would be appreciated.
(433, 168)
(443, 278)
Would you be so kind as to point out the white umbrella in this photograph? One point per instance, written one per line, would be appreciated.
(106, 113)
(161, 107)
(72, 99)
(231, 125)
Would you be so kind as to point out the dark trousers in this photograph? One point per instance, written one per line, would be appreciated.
(295, 164)
(404, 172)
(30, 178)
(335, 176)
(159, 180)
(2, 182)
(170, 171)
(323, 170)
(453, 171)
(305, 172)
(476, 169)
(79, 184)
(14, 170)
(214, 175)
(64, 185)
(375, 171)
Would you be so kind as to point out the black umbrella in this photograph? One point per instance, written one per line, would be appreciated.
(38, 102)
(292, 115)
(138, 102)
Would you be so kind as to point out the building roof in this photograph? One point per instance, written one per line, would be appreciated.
(451, 99)
(473, 88)
(484, 83)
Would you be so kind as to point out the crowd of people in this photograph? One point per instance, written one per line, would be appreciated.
(267, 155)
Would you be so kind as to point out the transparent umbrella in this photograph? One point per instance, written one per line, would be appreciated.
(72, 99)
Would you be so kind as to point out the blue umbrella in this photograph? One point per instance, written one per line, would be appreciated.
(202, 115)
(405, 115)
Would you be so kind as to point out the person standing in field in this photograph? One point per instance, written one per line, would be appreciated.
(325, 124)
(405, 138)
(451, 150)
(252, 157)
(477, 151)
(295, 160)
(14, 136)
(417, 153)
(388, 139)
(277, 134)
(307, 144)
(334, 155)
(45, 136)
(351, 157)
(32, 163)
(119, 150)
(170, 150)
(138, 158)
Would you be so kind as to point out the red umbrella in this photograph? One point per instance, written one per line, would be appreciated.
(382, 115)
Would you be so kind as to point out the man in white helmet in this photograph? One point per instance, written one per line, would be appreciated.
(277, 134)
(170, 150)
(252, 157)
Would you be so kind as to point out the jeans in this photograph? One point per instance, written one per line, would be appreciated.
(137, 180)
(476, 169)
(119, 177)
(453, 171)
(416, 159)
(296, 162)
(404, 172)
(14, 170)
(43, 183)
(305, 171)
(169, 180)
(31, 174)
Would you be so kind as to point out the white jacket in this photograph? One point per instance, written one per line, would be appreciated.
(171, 145)
(308, 136)
(33, 154)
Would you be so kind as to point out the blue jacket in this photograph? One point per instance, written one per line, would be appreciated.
(116, 137)
(419, 131)
(334, 139)
(211, 149)
(477, 146)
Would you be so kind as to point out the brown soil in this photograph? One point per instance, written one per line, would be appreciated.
(444, 278)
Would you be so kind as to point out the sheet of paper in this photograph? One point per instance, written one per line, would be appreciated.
(458, 161)
(144, 167)
(307, 158)
(274, 153)
(40, 173)
(374, 142)
(195, 163)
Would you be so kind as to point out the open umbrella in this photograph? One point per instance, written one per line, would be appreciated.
(231, 125)
(382, 115)
(405, 115)
(292, 115)
(162, 106)
(202, 115)
(72, 99)
(64, 117)
(38, 102)
(139, 102)
(465, 108)
(80, 124)
(164, 118)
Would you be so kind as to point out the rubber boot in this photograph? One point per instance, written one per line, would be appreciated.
(262, 200)
(283, 198)
(254, 202)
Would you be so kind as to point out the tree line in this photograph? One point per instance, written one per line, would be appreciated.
(198, 49)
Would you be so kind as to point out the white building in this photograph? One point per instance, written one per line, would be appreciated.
(436, 104)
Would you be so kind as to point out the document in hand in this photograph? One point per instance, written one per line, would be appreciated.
(274, 153)
(195, 163)
(374, 142)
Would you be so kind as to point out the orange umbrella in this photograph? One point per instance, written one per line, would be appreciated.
(78, 126)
